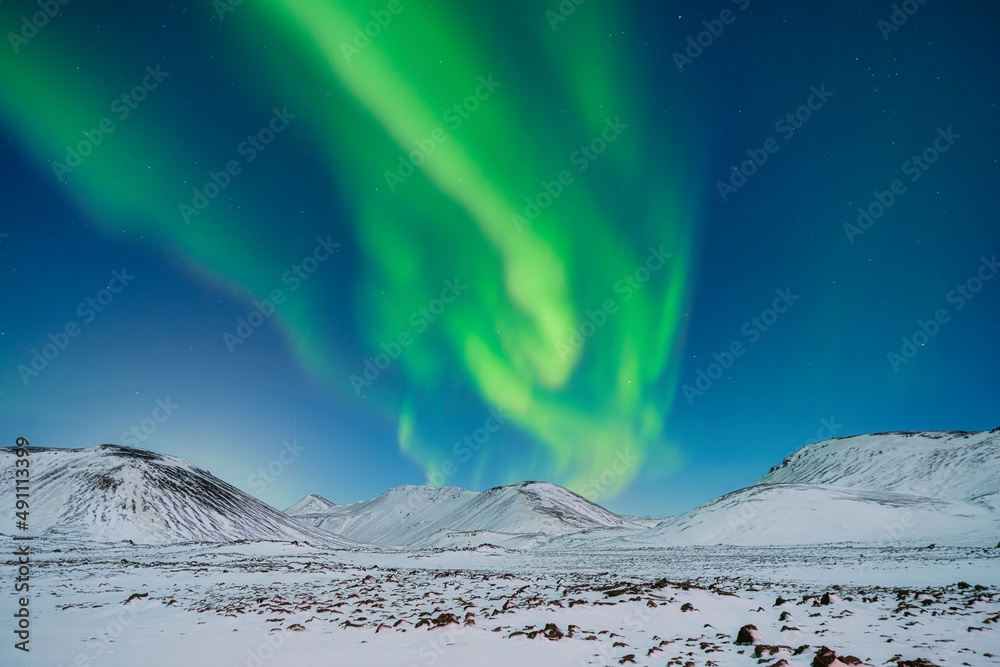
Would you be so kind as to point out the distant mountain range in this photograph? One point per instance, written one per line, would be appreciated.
(523, 515)
(884, 488)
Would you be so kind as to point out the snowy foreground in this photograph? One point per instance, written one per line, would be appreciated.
(146, 559)
(269, 603)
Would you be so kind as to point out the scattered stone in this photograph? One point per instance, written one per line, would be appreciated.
(760, 650)
(748, 634)
(552, 632)
(827, 658)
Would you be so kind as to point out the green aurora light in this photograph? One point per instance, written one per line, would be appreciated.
(460, 215)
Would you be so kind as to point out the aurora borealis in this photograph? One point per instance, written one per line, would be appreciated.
(477, 244)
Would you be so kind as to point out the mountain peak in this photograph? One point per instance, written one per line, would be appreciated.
(110, 493)
(899, 486)
(311, 504)
(436, 516)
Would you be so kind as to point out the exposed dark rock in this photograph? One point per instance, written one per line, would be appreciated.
(748, 635)
(552, 631)
(761, 650)
(825, 657)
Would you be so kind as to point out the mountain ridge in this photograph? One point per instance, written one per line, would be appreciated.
(111, 493)
(884, 488)
(525, 509)
(881, 488)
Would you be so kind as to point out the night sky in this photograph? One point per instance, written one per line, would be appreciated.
(643, 250)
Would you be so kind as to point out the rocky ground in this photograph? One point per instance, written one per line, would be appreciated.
(260, 604)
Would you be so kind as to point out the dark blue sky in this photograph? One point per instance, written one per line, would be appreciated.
(905, 127)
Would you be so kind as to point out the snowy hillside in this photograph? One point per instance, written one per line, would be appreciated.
(885, 488)
(112, 493)
(449, 516)
(953, 465)
(311, 504)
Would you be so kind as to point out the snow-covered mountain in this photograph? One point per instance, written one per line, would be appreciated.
(520, 515)
(112, 493)
(884, 488)
(311, 504)
(961, 466)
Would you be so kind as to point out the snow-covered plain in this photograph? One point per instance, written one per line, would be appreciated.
(258, 604)
(878, 550)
